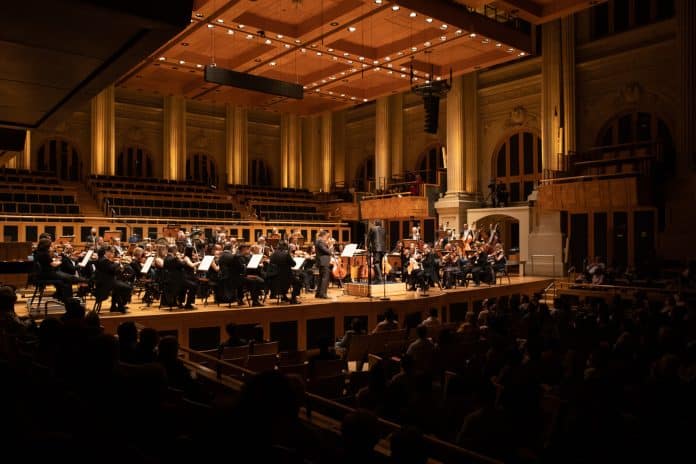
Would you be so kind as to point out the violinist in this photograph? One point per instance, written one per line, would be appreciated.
(226, 290)
(190, 282)
(323, 254)
(248, 280)
(480, 267)
(285, 278)
(48, 266)
(430, 266)
(414, 270)
(498, 258)
(450, 265)
(108, 266)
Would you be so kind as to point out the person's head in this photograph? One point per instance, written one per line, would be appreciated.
(231, 329)
(172, 249)
(244, 249)
(408, 447)
(356, 325)
(168, 349)
(127, 333)
(378, 223)
(149, 338)
(389, 315)
(8, 298)
(93, 231)
(360, 433)
(74, 310)
(465, 226)
(282, 245)
(44, 244)
(422, 331)
(433, 313)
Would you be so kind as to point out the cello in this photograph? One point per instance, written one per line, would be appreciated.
(338, 270)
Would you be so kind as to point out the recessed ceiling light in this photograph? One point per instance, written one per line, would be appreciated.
(199, 15)
(346, 54)
(249, 36)
(343, 73)
(352, 98)
(438, 78)
(304, 87)
(318, 53)
(387, 58)
(412, 14)
(272, 63)
(210, 26)
(182, 62)
(279, 36)
(220, 20)
(318, 90)
(427, 44)
(443, 37)
(267, 42)
(472, 35)
(184, 44)
(333, 23)
(498, 45)
(199, 66)
(400, 53)
(522, 53)
(390, 72)
(351, 28)
(389, 65)
(335, 58)
(241, 26)
(510, 50)
(314, 45)
(329, 50)
(298, 41)
(443, 27)
(403, 69)
(161, 58)
(485, 41)
(303, 50)
(413, 49)
(349, 61)
(343, 94)
(375, 69)
(361, 58)
(230, 32)
(364, 99)
(458, 32)
(428, 20)
(396, 8)
(364, 65)
(323, 81)
(287, 45)
(375, 62)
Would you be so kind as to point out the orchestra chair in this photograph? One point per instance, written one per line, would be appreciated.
(40, 286)
(500, 274)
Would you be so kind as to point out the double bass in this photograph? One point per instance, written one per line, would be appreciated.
(338, 270)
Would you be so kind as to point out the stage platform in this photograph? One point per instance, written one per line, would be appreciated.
(375, 290)
(300, 326)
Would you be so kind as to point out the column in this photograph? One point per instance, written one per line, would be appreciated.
(174, 150)
(311, 153)
(104, 133)
(455, 137)
(290, 151)
(339, 147)
(686, 42)
(396, 119)
(551, 109)
(326, 166)
(236, 146)
(470, 117)
(382, 143)
(568, 66)
(24, 158)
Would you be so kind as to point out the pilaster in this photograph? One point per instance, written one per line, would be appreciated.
(103, 133)
(382, 143)
(174, 136)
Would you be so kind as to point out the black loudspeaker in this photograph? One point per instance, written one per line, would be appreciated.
(12, 139)
(431, 103)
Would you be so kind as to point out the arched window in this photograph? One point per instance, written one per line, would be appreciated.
(517, 163)
(364, 174)
(429, 163)
(259, 173)
(134, 161)
(637, 127)
(201, 167)
(61, 158)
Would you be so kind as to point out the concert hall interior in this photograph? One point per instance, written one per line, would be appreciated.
(382, 231)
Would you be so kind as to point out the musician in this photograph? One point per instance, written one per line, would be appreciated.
(285, 277)
(415, 233)
(190, 283)
(501, 194)
(323, 254)
(263, 248)
(467, 234)
(226, 291)
(498, 258)
(431, 266)
(377, 245)
(117, 247)
(415, 276)
(480, 265)
(249, 281)
(67, 263)
(49, 269)
(92, 238)
(108, 267)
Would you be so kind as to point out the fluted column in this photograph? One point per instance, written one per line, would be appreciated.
(339, 147)
(174, 150)
(236, 147)
(568, 66)
(326, 166)
(470, 119)
(382, 143)
(396, 119)
(686, 43)
(24, 157)
(311, 153)
(455, 137)
(103, 159)
(551, 94)
(291, 170)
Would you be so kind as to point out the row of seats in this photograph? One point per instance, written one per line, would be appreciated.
(177, 204)
(175, 213)
(285, 208)
(35, 187)
(292, 216)
(130, 192)
(250, 191)
(40, 208)
(37, 198)
(25, 176)
(148, 185)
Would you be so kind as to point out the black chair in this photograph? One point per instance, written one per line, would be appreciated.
(40, 285)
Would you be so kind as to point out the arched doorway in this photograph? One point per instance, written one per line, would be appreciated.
(201, 167)
(513, 229)
(517, 164)
(430, 164)
(134, 161)
(61, 158)
(364, 174)
(259, 173)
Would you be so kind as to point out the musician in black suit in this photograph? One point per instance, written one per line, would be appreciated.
(226, 291)
(480, 268)
(377, 245)
(323, 254)
(285, 277)
(107, 269)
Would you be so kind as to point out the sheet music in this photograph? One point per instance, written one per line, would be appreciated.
(147, 265)
(205, 263)
(298, 264)
(254, 262)
(349, 250)
(86, 259)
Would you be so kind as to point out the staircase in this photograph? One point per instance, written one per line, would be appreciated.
(88, 205)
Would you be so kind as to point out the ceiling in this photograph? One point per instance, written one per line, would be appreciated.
(343, 52)
(57, 54)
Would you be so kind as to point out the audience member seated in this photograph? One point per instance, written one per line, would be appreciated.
(388, 323)
(356, 328)
(146, 349)
(422, 351)
(232, 338)
(432, 319)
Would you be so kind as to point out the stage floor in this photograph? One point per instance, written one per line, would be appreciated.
(339, 306)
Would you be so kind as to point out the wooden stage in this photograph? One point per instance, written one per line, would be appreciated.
(301, 326)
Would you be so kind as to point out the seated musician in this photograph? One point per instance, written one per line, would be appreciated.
(480, 267)
(245, 280)
(174, 285)
(450, 266)
(499, 259)
(430, 267)
(415, 273)
(285, 277)
(49, 269)
(108, 268)
(190, 283)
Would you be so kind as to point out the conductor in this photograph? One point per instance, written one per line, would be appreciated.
(376, 242)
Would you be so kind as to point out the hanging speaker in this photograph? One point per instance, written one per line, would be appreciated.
(216, 75)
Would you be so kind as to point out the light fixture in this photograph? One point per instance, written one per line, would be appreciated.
(161, 58)
(498, 45)
(378, 2)
(241, 26)
(396, 8)
(413, 14)
(361, 58)
(472, 35)
(428, 20)
(279, 36)
(303, 50)
(267, 42)
(427, 44)
(485, 41)
(318, 53)
(346, 54)
(413, 49)
(199, 66)
(220, 20)
(443, 27)
(210, 26)
(272, 63)
(230, 32)
(182, 62)
(458, 32)
(287, 45)
(443, 37)
(364, 99)
(329, 50)
(431, 92)
(387, 59)
(249, 36)
(351, 28)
